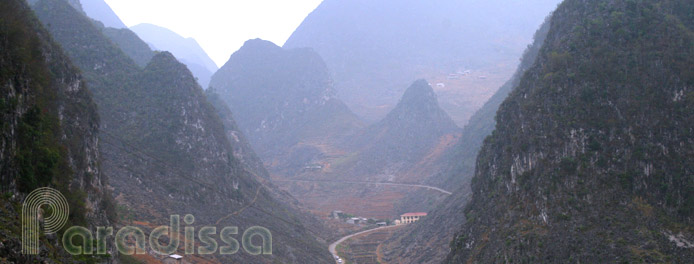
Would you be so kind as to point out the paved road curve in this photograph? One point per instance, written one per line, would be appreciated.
(333, 246)
(373, 183)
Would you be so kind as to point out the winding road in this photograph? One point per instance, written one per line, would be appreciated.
(372, 183)
(333, 246)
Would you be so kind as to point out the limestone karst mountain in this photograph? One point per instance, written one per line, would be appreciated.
(376, 48)
(408, 132)
(49, 137)
(283, 100)
(591, 159)
(186, 50)
(372, 109)
(165, 148)
(401, 148)
(428, 241)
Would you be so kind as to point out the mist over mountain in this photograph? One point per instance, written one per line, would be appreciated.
(428, 242)
(129, 43)
(102, 12)
(166, 150)
(406, 134)
(375, 48)
(283, 101)
(590, 154)
(186, 50)
(399, 149)
(382, 131)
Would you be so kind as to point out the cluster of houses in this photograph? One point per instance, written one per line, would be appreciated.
(407, 218)
(353, 220)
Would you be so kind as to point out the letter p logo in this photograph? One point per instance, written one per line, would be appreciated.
(59, 211)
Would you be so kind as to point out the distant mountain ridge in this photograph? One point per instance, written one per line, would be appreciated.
(427, 242)
(166, 149)
(187, 50)
(375, 48)
(102, 12)
(401, 148)
(407, 133)
(282, 98)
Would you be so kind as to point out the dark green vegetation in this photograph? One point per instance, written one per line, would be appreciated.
(165, 148)
(591, 159)
(49, 131)
(129, 43)
(428, 241)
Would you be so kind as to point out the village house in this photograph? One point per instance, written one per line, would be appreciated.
(409, 218)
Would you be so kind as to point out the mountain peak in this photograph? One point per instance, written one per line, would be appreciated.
(187, 50)
(166, 60)
(419, 104)
(258, 43)
(413, 126)
(164, 57)
(272, 90)
(420, 92)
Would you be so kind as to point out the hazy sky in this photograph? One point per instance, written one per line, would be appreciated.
(220, 26)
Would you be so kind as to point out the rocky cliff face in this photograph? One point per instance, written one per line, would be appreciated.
(282, 98)
(591, 159)
(428, 241)
(166, 149)
(49, 133)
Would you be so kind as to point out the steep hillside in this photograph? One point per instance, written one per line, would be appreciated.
(404, 136)
(427, 242)
(49, 135)
(284, 102)
(187, 50)
(591, 159)
(166, 149)
(461, 159)
(130, 44)
(242, 148)
(402, 148)
(376, 48)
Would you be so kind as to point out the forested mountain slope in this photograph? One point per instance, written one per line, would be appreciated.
(49, 127)
(166, 150)
(427, 242)
(591, 159)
